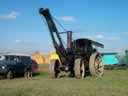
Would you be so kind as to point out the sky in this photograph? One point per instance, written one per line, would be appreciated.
(23, 29)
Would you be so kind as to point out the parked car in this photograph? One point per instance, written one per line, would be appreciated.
(11, 65)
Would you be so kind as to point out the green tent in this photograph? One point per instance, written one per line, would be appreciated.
(110, 59)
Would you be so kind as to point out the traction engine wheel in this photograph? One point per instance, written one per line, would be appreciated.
(79, 68)
(54, 68)
(96, 65)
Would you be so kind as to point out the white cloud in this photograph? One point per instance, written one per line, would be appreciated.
(99, 36)
(11, 15)
(24, 43)
(18, 41)
(68, 19)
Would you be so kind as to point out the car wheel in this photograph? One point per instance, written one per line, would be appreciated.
(28, 73)
(9, 74)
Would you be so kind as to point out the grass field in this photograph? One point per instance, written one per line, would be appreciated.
(113, 83)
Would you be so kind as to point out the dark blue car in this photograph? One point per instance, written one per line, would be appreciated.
(11, 65)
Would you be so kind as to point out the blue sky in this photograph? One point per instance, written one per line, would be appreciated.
(22, 28)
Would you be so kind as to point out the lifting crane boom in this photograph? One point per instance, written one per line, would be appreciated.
(56, 39)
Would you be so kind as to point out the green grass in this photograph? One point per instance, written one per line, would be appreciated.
(113, 83)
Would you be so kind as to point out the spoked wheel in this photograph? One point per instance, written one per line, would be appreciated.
(79, 68)
(54, 69)
(96, 65)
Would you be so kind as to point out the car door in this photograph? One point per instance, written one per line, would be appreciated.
(19, 65)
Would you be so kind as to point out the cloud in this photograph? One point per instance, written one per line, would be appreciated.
(25, 43)
(11, 15)
(102, 37)
(18, 41)
(99, 36)
(68, 19)
(22, 42)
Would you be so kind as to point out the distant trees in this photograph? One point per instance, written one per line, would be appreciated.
(123, 59)
(126, 57)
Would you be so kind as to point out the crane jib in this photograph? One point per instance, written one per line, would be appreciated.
(57, 41)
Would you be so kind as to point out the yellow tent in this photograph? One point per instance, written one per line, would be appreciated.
(39, 58)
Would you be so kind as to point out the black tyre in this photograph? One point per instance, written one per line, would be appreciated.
(79, 68)
(9, 74)
(96, 66)
(28, 73)
(54, 68)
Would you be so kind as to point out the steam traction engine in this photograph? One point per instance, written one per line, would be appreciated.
(79, 58)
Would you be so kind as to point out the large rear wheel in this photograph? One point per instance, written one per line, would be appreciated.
(79, 68)
(54, 68)
(96, 66)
